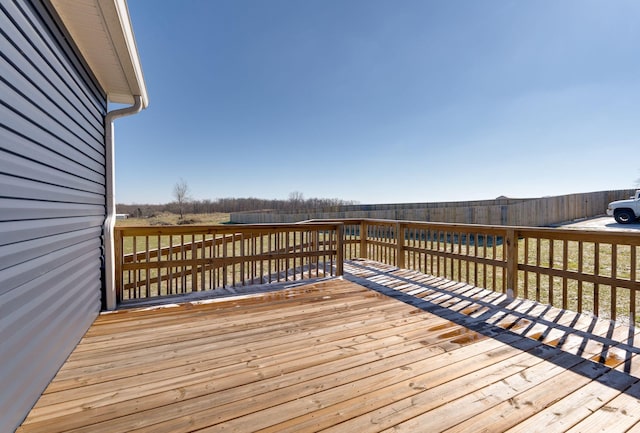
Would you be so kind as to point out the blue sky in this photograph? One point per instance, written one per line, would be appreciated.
(383, 101)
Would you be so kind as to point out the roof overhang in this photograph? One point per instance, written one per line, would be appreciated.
(102, 31)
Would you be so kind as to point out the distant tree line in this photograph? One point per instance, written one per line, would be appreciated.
(295, 203)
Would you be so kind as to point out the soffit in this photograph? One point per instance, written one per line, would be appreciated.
(102, 31)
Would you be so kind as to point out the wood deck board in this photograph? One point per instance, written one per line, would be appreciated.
(178, 340)
(345, 355)
(128, 363)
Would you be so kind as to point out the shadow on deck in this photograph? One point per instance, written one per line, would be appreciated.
(334, 356)
(490, 313)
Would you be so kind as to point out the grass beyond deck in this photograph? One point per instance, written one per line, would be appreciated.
(338, 356)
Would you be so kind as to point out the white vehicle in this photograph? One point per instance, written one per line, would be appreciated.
(625, 211)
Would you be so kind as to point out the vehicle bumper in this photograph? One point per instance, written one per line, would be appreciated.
(610, 212)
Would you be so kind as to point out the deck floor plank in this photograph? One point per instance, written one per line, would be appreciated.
(198, 349)
(383, 349)
(465, 360)
(625, 408)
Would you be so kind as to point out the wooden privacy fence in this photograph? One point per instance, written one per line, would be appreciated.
(585, 271)
(533, 212)
(171, 260)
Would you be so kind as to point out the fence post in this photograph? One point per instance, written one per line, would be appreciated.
(339, 249)
(511, 241)
(400, 262)
(363, 239)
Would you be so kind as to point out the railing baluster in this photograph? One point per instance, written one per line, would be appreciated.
(510, 242)
(400, 240)
(475, 254)
(580, 265)
(613, 289)
(550, 277)
(596, 286)
(538, 276)
(633, 258)
(526, 262)
(494, 268)
(565, 266)
(339, 249)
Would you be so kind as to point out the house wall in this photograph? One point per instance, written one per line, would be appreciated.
(52, 203)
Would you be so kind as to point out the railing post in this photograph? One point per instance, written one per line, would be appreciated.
(363, 240)
(339, 249)
(511, 241)
(314, 246)
(400, 262)
(118, 265)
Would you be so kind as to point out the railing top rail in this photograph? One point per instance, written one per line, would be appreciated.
(223, 229)
(626, 238)
(609, 236)
(474, 227)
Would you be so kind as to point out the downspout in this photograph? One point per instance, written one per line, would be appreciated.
(110, 221)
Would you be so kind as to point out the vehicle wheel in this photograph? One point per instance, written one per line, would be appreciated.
(624, 216)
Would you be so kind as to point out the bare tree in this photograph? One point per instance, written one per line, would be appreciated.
(296, 199)
(181, 194)
(232, 204)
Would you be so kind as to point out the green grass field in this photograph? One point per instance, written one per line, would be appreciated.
(171, 219)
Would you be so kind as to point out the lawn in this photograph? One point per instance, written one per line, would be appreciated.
(171, 219)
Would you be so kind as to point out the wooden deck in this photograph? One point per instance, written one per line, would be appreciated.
(383, 349)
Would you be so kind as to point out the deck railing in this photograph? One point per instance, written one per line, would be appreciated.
(172, 260)
(585, 271)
